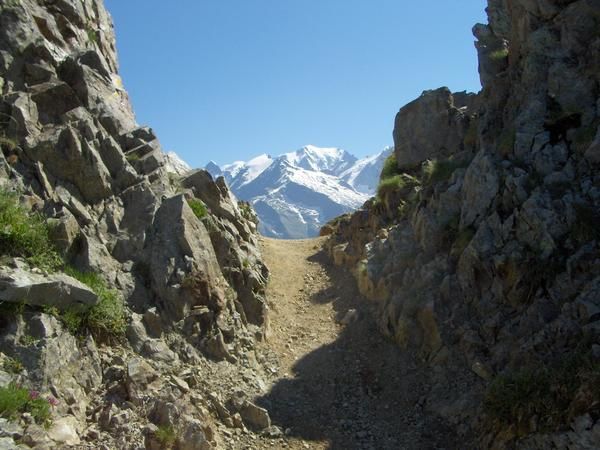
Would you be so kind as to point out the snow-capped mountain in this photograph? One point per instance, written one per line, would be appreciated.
(294, 194)
(364, 174)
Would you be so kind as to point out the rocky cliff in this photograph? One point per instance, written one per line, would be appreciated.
(141, 297)
(482, 249)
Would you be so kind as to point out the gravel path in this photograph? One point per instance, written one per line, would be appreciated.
(340, 383)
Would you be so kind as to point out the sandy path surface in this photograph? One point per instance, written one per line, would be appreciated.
(340, 384)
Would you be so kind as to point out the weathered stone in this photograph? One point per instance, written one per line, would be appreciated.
(254, 416)
(60, 290)
(193, 436)
(430, 127)
(64, 431)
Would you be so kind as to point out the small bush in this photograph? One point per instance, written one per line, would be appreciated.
(166, 435)
(25, 234)
(198, 207)
(15, 400)
(390, 167)
(105, 320)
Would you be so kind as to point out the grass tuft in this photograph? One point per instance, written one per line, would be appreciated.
(105, 320)
(436, 171)
(390, 167)
(499, 54)
(198, 207)
(15, 400)
(26, 234)
(166, 435)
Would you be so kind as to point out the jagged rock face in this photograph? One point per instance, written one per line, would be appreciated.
(491, 266)
(432, 126)
(193, 286)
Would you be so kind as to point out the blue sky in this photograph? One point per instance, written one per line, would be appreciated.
(230, 79)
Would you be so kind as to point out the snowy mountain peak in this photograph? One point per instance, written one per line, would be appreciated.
(295, 193)
(322, 159)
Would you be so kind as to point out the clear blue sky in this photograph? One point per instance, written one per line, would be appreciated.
(229, 79)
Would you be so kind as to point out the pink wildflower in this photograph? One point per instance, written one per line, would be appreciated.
(33, 395)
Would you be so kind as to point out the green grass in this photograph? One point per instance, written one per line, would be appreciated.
(105, 320)
(166, 435)
(132, 157)
(389, 185)
(25, 234)
(390, 167)
(436, 171)
(547, 392)
(499, 54)
(12, 365)
(16, 400)
(198, 207)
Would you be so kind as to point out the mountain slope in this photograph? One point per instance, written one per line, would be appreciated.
(295, 193)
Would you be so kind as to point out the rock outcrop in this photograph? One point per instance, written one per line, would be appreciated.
(484, 259)
(175, 246)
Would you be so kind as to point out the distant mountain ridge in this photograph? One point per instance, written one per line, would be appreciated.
(295, 193)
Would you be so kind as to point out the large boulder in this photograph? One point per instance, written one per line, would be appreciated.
(62, 291)
(183, 267)
(430, 127)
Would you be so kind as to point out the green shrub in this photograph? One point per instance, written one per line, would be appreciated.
(198, 207)
(390, 167)
(25, 234)
(15, 400)
(166, 435)
(132, 157)
(106, 319)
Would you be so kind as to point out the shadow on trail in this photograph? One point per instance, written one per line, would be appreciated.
(358, 392)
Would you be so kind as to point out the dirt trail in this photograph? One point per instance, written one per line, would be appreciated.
(340, 386)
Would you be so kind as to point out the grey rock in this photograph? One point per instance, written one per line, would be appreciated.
(430, 127)
(254, 416)
(60, 290)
